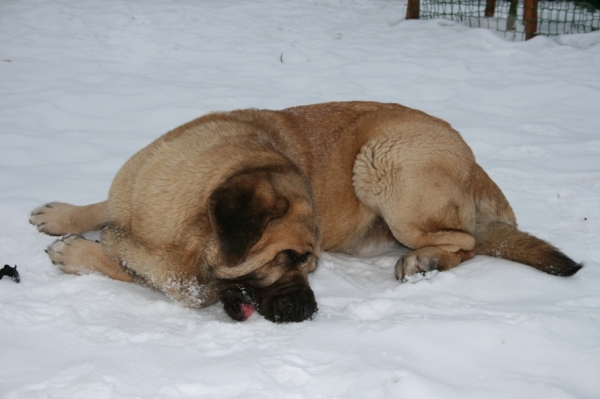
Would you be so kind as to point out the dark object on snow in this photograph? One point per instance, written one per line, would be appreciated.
(10, 272)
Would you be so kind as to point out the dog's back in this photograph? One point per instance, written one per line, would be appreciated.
(384, 171)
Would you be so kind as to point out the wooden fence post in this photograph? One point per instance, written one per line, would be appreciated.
(490, 8)
(530, 17)
(412, 9)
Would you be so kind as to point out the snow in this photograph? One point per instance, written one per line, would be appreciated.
(84, 85)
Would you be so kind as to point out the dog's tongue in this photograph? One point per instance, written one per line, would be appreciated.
(247, 310)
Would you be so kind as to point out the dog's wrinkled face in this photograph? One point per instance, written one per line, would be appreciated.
(268, 241)
(289, 299)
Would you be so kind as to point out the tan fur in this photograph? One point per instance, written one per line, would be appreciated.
(333, 176)
(76, 255)
(69, 219)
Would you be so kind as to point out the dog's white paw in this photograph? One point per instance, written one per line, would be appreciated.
(53, 218)
(414, 267)
(69, 254)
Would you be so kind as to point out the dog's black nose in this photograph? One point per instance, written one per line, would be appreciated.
(309, 311)
(290, 306)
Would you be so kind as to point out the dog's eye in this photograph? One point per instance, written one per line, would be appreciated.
(294, 258)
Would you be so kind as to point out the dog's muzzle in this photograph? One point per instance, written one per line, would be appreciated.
(291, 300)
(288, 303)
(239, 302)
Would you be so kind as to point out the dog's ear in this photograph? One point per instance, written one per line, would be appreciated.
(239, 212)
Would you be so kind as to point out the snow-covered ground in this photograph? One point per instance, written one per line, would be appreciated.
(85, 84)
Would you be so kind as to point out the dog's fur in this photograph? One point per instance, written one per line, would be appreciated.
(237, 206)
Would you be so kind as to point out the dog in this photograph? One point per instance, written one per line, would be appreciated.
(237, 206)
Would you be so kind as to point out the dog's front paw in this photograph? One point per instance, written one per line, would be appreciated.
(53, 218)
(69, 254)
(415, 264)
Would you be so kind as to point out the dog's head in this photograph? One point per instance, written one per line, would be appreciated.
(266, 241)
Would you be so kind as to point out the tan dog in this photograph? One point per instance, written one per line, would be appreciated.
(237, 206)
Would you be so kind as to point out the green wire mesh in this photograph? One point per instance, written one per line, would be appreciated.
(554, 17)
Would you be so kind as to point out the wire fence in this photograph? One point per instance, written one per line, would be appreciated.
(517, 20)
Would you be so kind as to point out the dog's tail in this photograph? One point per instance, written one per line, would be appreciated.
(496, 233)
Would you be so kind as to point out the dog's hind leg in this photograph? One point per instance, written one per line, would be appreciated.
(57, 218)
(74, 254)
(422, 193)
